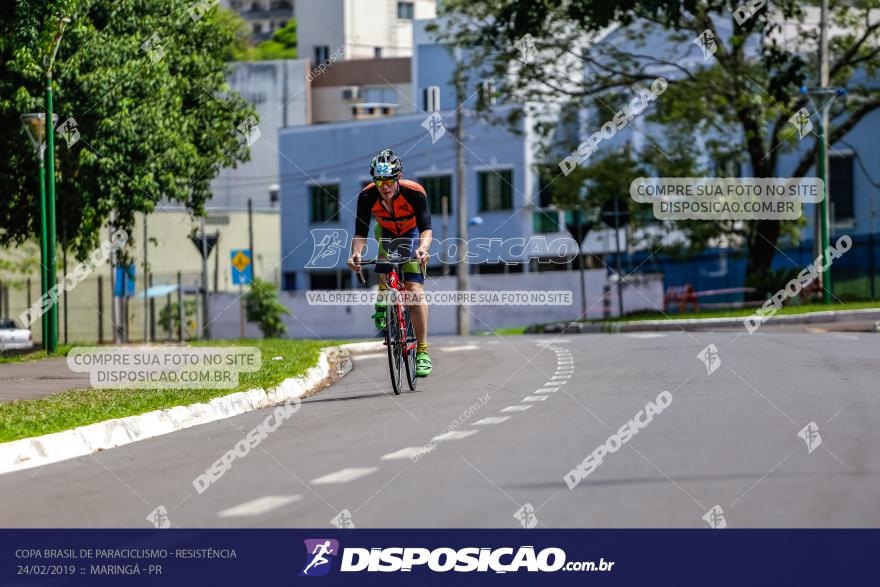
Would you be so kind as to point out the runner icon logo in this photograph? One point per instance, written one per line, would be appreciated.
(318, 553)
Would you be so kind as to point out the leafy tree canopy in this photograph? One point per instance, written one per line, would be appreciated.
(734, 103)
(146, 85)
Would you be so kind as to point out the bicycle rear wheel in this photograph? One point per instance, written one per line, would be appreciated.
(393, 337)
(409, 346)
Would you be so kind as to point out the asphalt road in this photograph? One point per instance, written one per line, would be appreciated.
(728, 439)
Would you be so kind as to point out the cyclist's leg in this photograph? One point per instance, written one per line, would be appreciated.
(380, 309)
(419, 310)
(414, 283)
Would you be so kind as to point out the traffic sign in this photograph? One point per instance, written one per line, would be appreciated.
(210, 242)
(124, 284)
(242, 267)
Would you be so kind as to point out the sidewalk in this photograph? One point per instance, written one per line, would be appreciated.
(828, 320)
(35, 379)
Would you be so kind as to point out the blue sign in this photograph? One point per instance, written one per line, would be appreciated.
(242, 267)
(124, 284)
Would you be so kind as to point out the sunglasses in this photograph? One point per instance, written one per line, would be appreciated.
(385, 181)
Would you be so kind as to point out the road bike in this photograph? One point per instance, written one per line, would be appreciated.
(400, 338)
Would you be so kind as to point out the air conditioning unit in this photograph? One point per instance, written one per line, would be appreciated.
(431, 99)
(351, 93)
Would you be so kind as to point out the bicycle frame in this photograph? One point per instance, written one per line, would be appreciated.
(403, 343)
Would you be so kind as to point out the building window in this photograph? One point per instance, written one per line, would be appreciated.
(258, 27)
(322, 53)
(431, 99)
(325, 203)
(495, 190)
(406, 10)
(330, 279)
(841, 188)
(436, 187)
(377, 52)
(289, 283)
(545, 221)
(545, 186)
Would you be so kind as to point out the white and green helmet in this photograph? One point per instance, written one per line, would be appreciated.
(385, 164)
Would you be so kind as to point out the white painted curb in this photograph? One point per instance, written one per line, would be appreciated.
(333, 363)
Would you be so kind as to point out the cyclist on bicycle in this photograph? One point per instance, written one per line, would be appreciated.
(403, 224)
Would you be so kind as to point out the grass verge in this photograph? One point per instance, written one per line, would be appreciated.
(69, 409)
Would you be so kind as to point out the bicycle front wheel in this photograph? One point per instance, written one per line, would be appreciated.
(409, 350)
(393, 336)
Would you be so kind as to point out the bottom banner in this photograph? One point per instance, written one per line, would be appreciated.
(399, 557)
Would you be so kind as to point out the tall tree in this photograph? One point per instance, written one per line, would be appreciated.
(739, 99)
(145, 83)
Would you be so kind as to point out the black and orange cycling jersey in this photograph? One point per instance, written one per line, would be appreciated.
(408, 209)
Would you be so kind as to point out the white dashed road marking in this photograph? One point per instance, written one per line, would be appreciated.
(516, 408)
(404, 453)
(492, 420)
(344, 475)
(259, 506)
(454, 435)
(534, 398)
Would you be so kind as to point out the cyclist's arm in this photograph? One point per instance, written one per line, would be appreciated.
(361, 229)
(423, 222)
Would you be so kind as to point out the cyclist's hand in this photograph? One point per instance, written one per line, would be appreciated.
(354, 262)
(422, 256)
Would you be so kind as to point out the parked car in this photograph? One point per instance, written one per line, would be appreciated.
(13, 337)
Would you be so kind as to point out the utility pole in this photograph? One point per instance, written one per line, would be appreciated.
(444, 204)
(251, 230)
(206, 327)
(115, 304)
(146, 286)
(464, 321)
(822, 166)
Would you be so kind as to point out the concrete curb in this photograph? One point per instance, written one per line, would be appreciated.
(333, 364)
(695, 324)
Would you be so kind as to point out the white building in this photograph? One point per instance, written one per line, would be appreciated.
(358, 29)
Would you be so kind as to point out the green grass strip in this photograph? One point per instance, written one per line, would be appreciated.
(70, 409)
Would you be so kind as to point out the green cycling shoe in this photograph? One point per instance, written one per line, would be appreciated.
(379, 316)
(423, 364)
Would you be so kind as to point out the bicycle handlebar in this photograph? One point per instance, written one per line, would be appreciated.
(391, 261)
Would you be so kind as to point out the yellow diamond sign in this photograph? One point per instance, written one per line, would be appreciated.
(241, 261)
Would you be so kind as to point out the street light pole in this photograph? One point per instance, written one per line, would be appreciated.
(35, 125)
(50, 207)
